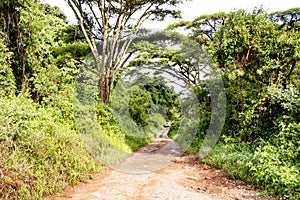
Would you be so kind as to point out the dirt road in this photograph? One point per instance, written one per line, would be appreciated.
(159, 172)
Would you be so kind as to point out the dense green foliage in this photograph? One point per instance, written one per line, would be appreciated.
(141, 111)
(140, 104)
(258, 54)
(161, 100)
(7, 79)
(41, 151)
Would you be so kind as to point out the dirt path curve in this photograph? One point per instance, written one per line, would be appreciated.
(157, 172)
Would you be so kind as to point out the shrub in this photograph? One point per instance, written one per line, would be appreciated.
(276, 166)
(39, 154)
(233, 157)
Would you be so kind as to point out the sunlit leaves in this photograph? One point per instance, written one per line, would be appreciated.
(7, 79)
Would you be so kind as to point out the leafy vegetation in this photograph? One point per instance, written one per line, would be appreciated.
(40, 153)
(141, 111)
(115, 24)
(45, 145)
(258, 54)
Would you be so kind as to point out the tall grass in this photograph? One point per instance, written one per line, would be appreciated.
(39, 154)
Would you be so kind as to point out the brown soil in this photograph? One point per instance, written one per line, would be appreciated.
(172, 177)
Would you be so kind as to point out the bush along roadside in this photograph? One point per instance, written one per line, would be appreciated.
(264, 154)
(272, 161)
(271, 166)
(39, 153)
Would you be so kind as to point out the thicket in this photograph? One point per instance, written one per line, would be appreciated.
(141, 110)
(44, 145)
(40, 148)
(40, 152)
(40, 56)
(258, 54)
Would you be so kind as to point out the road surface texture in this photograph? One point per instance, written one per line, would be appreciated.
(158, 171)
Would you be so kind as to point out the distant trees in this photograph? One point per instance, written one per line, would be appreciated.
(258, 54)
(255, 51)
(203, 27)
(187, 61)
(113, 24)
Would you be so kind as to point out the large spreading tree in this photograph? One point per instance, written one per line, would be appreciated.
(112, 25)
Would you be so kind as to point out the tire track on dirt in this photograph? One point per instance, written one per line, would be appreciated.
(158, 172)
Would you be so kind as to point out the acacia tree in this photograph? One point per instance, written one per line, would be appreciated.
(254, 51)
(187, 62)
(113, 24)
(203, 27)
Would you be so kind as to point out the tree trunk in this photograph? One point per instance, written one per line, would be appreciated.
(101, 88)
(105, 89)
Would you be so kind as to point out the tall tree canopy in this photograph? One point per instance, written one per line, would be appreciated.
(114, 24)
(203, 27)
(172, 50)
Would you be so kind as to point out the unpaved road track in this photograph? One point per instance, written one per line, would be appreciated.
(157, 172)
